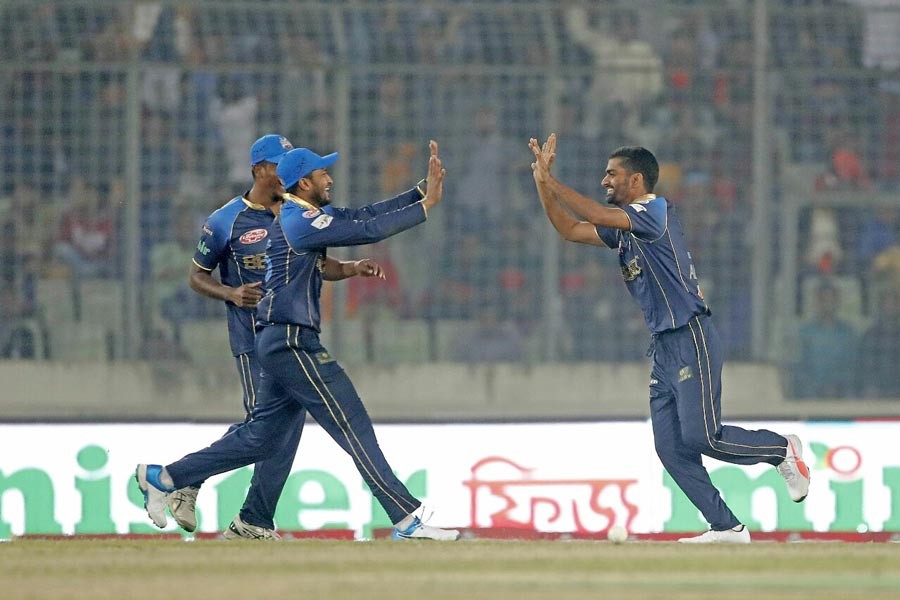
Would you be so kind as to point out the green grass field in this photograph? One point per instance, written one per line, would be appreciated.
(101, 569)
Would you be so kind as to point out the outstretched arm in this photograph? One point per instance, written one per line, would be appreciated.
(568, 227)
(411, 196)
(335, 270)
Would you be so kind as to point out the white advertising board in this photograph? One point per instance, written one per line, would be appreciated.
(557, 477)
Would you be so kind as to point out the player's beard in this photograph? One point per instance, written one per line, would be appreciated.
(321, 198)
(611, 199)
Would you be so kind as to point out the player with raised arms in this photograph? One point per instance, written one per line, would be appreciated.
(685, 381)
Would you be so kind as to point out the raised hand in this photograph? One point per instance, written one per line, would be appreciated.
(543, 158)
(434, 182)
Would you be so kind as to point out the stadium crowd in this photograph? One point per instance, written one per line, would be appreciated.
(213, 78)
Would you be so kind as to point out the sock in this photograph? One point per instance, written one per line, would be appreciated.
(405, 522)
(166, 479)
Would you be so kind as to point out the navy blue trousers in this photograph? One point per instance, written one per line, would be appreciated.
(299, 373)
(685, 409)
(269, 474)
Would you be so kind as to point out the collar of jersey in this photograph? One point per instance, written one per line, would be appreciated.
(644, 198)
(299, 201)
(253, 205)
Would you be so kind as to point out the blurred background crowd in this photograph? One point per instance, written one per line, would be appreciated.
(777, 124)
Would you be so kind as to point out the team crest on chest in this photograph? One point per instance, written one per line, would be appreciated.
(253, 236)
(631, 269)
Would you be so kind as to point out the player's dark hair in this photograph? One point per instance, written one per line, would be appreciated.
(637, 159)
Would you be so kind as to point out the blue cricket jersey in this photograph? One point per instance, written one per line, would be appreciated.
(298, 241)
(234, 240)
(657, 267)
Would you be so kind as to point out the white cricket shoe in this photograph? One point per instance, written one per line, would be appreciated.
(239, 529)
(736, 535)
(420, 531)
(183, 506)
(154, 497)
(794, 470)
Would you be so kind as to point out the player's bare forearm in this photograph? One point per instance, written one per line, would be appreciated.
(588, 209)
(561, 219)
(568, 227)
(245, 296)
(202, 282)
(335, 270)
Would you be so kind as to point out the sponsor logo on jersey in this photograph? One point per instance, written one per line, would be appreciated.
(311, 213)
(322, 221)
(202, 248)
(255, 262)
(207, 230)
(253, 236)
(684, 373)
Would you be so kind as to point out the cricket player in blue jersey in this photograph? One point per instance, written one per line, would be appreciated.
(233, 241)
(685, 381)
(298, 372)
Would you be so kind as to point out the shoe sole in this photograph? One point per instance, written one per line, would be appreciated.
(400, 537)
(801, 464)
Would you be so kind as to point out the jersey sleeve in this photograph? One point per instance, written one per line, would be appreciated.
(648, 219)
(210, 247)
(380, 208)
(609, 236)
(333, 227)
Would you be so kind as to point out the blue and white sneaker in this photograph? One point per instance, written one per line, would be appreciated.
(155, 493)
(420, 531)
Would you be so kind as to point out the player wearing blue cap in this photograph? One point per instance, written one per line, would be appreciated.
(298, 372)
(233, 241)
(685, 383)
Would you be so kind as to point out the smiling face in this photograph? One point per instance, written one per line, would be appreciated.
(318, 183)
(622, 186)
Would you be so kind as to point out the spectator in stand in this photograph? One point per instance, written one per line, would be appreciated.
(372, 297)
(628, 69)
(22, 327)
(879, 232)
(486, 174)
(588, 308)
(463, 279)
(827, 345)
(879, 352)
(87, 236)
(824, 252)
(235, 110)
(491, 340)
(886, 266)
(173, 300)
(846, 169)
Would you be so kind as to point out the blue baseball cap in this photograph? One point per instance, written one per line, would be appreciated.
(269, 148)
(300, 162)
